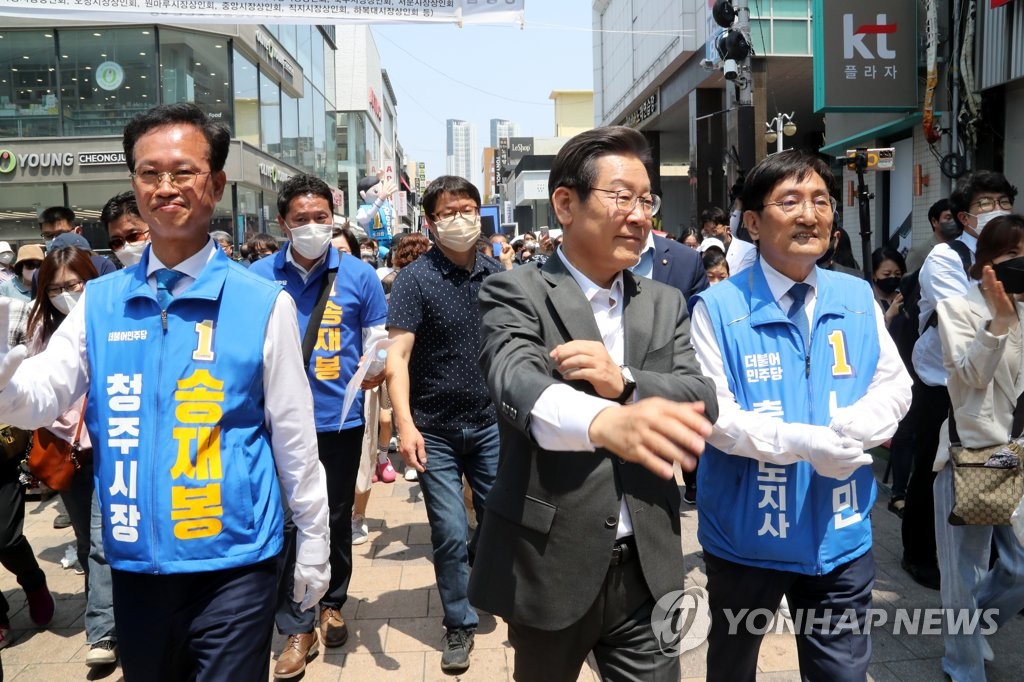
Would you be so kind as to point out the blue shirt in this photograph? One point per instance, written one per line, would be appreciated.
(357, 302)
(436, 300)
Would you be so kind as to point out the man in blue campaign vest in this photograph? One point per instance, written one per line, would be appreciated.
(807, 379)
(200, 418)
(341, 312)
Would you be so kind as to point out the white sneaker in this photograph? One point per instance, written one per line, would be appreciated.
(360, 533)
(410, 474)
(102, 653)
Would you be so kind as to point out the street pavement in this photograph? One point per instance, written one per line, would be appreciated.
(394, 613)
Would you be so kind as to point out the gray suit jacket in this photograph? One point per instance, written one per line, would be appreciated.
(547, 535)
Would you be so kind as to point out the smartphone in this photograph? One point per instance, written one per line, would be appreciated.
(544, 232)
(496, 249)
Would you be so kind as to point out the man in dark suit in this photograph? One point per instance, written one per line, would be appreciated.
(598, 395)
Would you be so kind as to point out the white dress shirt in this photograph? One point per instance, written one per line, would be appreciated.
(942, 276)
(755, 435)
(562, 415)
(46, 385)
(740, 255)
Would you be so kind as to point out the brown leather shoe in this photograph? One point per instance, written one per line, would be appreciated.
(333, 630)
(292, 661)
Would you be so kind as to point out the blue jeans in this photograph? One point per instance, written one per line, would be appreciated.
(968, 583)
(84, 511)
(450, 454)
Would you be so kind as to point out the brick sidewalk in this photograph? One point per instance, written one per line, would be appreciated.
(394, 613)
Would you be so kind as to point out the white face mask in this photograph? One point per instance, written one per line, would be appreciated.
(65, 301)
(131, 253)
(311, 241)
(984, 219)
(458, 233)
(6, 258)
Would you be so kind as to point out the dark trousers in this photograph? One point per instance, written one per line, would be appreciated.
(339, 455)
(207, 627)
(617, 628)
(16, 554)
(834, 653)
(928, 409)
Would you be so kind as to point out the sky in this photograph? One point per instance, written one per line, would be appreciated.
(477, 73)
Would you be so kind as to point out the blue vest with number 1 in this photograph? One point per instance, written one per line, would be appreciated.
(184, 472)
(788, 517)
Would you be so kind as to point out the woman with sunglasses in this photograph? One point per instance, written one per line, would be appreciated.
(59, 286)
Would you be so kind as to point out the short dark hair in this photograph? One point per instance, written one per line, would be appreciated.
(999, 236)
(976, 182)
(714, 215)
(217, 135)
(713, 257)
(575, 166)
(302, 183)
(884, 253)
(367, 182)
(938, 208)
(447, 184)
(55, 214)
(351, 240)
(264, 240)
(773, 169)
(117, 206)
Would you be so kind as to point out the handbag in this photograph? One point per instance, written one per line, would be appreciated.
(53, 460)
(988, 483)
(14, 443)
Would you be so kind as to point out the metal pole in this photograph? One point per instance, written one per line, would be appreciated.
(864, 197)
(778, 131)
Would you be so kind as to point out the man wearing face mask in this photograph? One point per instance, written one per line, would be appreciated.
(127, 231)
(25, 266)
(6, 259)
(978, 198)
(341, 312)
(446, 421)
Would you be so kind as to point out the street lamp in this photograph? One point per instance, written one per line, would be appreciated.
(781, 125)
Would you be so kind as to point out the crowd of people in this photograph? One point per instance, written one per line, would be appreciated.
(543, 391)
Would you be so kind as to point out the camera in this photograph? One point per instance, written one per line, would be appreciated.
(730, 69)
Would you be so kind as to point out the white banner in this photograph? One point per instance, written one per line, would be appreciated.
(271, 11)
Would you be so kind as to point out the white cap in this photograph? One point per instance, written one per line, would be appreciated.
(709, 242)
(5, 248)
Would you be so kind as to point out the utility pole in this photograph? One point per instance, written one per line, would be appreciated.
(740, 119)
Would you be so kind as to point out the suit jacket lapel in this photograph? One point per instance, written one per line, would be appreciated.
(571, 306)
(638, 318)
(662, 263)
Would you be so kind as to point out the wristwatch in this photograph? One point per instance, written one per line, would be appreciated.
(628, 386)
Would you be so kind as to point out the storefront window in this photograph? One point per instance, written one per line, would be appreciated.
(194, 68)
(28, 84)
(270, 115)
(20, 209)
(247, 219)
(331, 162)
(304, 53)
(306, 152)
(317, 70)
(286, 37)
(319, 135)
(289, 129)
(107, 75)
(247, 101)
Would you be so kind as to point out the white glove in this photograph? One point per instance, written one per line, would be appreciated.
(311, 581)
(10, 358)
(845, 423)
(829, 453)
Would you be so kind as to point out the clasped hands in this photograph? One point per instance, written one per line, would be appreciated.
(653, 432)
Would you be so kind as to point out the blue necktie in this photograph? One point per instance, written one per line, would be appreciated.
(796, 311)
(165, 283)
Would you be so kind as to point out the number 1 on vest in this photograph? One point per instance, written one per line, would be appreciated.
(840, 365)
(204, 344)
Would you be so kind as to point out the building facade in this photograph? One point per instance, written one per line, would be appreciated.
(66, 92)
(502, 128)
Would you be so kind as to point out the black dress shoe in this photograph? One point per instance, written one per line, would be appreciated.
(923, 574)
